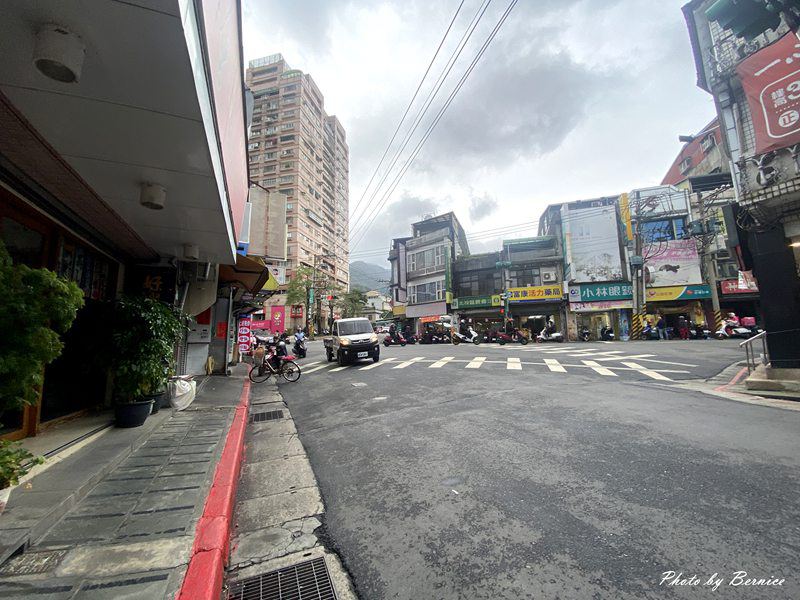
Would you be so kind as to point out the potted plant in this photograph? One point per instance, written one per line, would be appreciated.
(144, 334)
(36, 308)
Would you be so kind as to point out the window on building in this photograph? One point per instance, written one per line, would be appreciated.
(289, 206)
(287, 165)
(270, 181)
(663, 230)
(426, 292)
(478, 283)
(253, 146)
(269, 156)
(287, 178)
(432, 257)
(286, 138)
(286, 126)
(288, 114)
(525, 276)
(269, 169)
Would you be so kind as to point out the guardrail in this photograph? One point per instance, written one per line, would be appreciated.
(750, 351)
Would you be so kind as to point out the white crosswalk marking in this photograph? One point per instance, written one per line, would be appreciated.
(646, 371)
(476, 362)
(304, 365)
(339, 369)
(403, 365)
(513, 364)
(625, 357)
(324, 366)
(598, 368)
(441, 362)
(378, 364)
(554, 365)
(593, 353)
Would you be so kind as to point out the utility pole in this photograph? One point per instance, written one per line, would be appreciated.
(637, 274)
(709, 269)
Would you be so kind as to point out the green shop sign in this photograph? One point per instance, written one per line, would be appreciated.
(594, 292)
(477, 302)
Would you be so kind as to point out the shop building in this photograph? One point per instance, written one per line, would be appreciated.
(595, 305)
(134, 183)
(435, 242)
(477, 286)
(751, 80)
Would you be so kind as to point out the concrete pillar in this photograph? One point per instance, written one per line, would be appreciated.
(775, 269)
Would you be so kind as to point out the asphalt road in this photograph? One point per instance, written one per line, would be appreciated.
(495, 482)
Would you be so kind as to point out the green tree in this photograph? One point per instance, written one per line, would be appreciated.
(352, 303)
(36, 308)
(301, 282)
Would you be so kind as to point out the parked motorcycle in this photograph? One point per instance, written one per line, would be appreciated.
(650, 333)
(731, 329)
(699, 332)
(471, 337)
(607, 334)
(584, 334)
(549, 336)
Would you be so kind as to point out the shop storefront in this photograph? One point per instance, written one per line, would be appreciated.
(485, 312)
(415, 313)
(741, 298)
(530, 307)
(673, 301)
(594, 305)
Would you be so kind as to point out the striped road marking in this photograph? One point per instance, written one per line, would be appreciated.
(593, 353)
(403, 365)
(441, 362)
(554, 365)
(476, 362)
(598, 368)
(339, 369)
(646, 371)
(513, 364)
(379, 363)
(324, 366)
(304, 365)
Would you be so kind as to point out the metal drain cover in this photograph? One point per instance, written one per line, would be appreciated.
(269, 415)
(32, 563)
(307, 580)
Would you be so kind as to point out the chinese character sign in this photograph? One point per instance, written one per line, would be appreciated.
(539, 293)
(675, 262)
(244, 335)
(771, 81)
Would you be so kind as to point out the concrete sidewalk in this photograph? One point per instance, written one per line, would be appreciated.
(279, 509)
(117, 518)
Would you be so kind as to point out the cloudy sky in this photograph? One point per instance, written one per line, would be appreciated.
(572, 99)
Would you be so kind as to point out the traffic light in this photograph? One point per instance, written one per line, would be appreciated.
(502, 311)
(746, 18)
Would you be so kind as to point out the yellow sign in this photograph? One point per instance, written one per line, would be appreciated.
(677, 292)
(399, 311)
(538, 293)
(497, 300)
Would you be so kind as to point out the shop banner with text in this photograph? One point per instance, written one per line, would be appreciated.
(537, 293)
(771, 82)
(593, 292)
(678, 292)
(466, 302)
(600, 306)
(278, 318)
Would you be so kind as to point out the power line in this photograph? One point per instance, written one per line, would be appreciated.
(426, 105)
(411, 102)
(438, 117)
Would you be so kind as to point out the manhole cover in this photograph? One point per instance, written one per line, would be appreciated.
(31, 563)
(269, 415)
(304, 581)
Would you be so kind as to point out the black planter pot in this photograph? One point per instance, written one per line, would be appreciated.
(158, 400)
(133, 414)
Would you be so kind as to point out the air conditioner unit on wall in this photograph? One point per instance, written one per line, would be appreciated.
(548, 276)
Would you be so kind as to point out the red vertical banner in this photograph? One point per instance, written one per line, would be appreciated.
(244, 335)
(278, 318)
(771, 82)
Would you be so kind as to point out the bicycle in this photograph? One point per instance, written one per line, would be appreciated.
(261, 371)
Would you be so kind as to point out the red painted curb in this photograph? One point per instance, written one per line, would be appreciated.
(732, 381)
(204, 577)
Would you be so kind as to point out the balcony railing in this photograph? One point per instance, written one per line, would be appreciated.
(422, 272)
(428, 238)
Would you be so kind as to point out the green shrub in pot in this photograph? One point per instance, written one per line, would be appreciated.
(36, 308)
(144, 335)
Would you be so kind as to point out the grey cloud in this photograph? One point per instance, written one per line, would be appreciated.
(394, 221)
(481, 207)
(308, 21)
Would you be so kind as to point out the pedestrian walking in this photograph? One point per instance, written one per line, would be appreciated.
(661, 325)
(683, 328)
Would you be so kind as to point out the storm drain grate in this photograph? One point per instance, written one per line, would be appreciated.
(269, 415)
(33, 563)
(304, 581)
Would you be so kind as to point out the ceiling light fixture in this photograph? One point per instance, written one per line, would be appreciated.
(59, 53)
(152, 196)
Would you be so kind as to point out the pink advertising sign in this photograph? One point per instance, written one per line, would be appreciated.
(278, 318)
(675, 262)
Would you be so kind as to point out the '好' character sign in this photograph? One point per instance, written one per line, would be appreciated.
(771, 81)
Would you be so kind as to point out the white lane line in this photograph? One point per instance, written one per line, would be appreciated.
(441, 362)
(554, 365)
(513, 364)
(339, 369)
(598, 368)
(625, 357)
(325, 366)
(591, 353)
(645, 371)
(404, 364)
(379, 363)
(476, 362)
(304, 365)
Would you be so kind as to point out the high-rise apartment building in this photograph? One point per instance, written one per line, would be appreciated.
(297, 149)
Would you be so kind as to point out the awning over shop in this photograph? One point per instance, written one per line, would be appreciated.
(249, 273)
